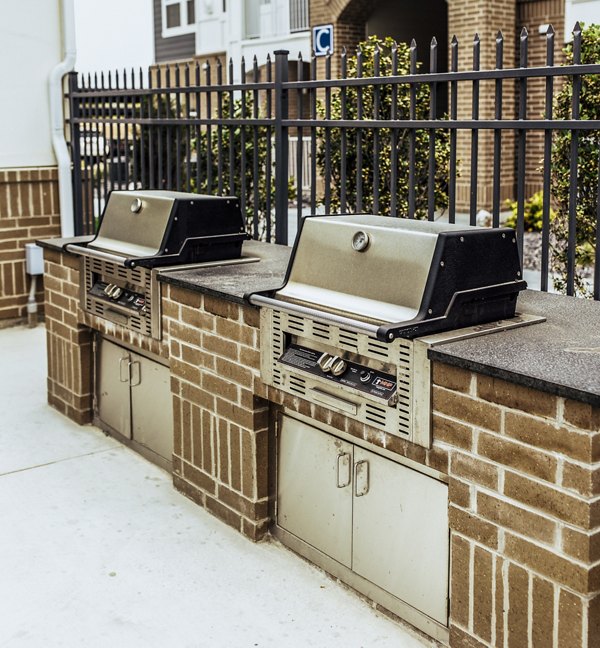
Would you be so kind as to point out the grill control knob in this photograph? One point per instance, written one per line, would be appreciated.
(338, 367)
(325, 362)
(116, 293)
(365, 376)
(108, 289)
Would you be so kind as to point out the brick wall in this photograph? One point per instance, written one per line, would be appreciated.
(524, 469)
(221, 437)
(29, 210)
(69, 342)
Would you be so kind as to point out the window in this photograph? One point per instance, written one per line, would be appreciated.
(299, 15)
(178, 17)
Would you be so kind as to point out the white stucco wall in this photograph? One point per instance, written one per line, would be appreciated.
(587, 11)
(30, 46)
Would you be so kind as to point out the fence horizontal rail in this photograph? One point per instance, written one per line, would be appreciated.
(449, 124)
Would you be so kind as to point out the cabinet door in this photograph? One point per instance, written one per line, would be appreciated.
(113, 387)
(152, 405)
(314, 488)
(400, 532)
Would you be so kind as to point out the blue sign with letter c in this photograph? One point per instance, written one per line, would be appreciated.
(323, 39)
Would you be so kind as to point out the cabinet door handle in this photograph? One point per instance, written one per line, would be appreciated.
(344, 474)
(121, 361)
(361, 478)
(139, 373)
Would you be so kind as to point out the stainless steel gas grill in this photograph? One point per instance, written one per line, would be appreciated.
(364, 296)
(142, 233)
(363, 300)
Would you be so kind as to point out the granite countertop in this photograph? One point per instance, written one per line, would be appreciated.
(232, 282)
(560, 356)
(59, 243)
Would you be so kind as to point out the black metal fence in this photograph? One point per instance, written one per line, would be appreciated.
(376, 139)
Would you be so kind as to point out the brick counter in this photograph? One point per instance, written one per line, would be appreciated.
(523, 464)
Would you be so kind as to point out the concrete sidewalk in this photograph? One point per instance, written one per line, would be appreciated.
(98, 549)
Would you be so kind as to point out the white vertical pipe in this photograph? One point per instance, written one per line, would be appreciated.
(65, 185)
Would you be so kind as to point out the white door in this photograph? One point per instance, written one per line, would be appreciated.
(113, 387)
(314, 488)
(400, 532)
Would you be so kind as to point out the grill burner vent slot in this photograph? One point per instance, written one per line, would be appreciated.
(379, 349)
(298, 385)
(322, 331)
(375, 415)
(295, 323)
(348, 340)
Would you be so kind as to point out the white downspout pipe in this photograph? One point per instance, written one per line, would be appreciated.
(65, 185)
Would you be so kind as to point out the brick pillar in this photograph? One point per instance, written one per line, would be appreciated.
(69, 343)
(221, 436)
(29, 210)
(465, 18)
(524, 512)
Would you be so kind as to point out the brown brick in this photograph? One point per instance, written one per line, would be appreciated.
(546, 563)
(461, 639)
(516, 397)
(171, 309)
(549, 500)
(185, 296)
(224, 513)
(452, 432)
(208, 442)
(222, 437)
(582, 479)
(251, 316)
(438, 459)
(474, 470)
(186, 429)
(547, 436)
(220, 346)
(459, 493)
(499, 600)
(515, 518)
(234, 371)
(248, 508)
(197, 396)
(235, 440)
(542, 594)
(249, 357)
(199, 478)
(185, 371)
(593, 624)
(197, 357)
(450, 377)
(482, 593)
(221, 307)
(219, 387)
(255, 531)
(197, 319)
(248, 464)
(196, 438)
(570, 619)
(466, 409)
(583, 546)
(262, 464)
(177, 431)
(459, 580)
(473, 527)
(235, 413)
(521, 457)
(183, 333)
(582, 415)
(518, 595)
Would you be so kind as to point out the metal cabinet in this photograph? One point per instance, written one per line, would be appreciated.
(134, 398)
(382, 520)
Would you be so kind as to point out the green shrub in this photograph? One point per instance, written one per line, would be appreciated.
(533, 213)
(385, 157)
(587, 163)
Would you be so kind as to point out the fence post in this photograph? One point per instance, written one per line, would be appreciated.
(76, 157)
(281, 148)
